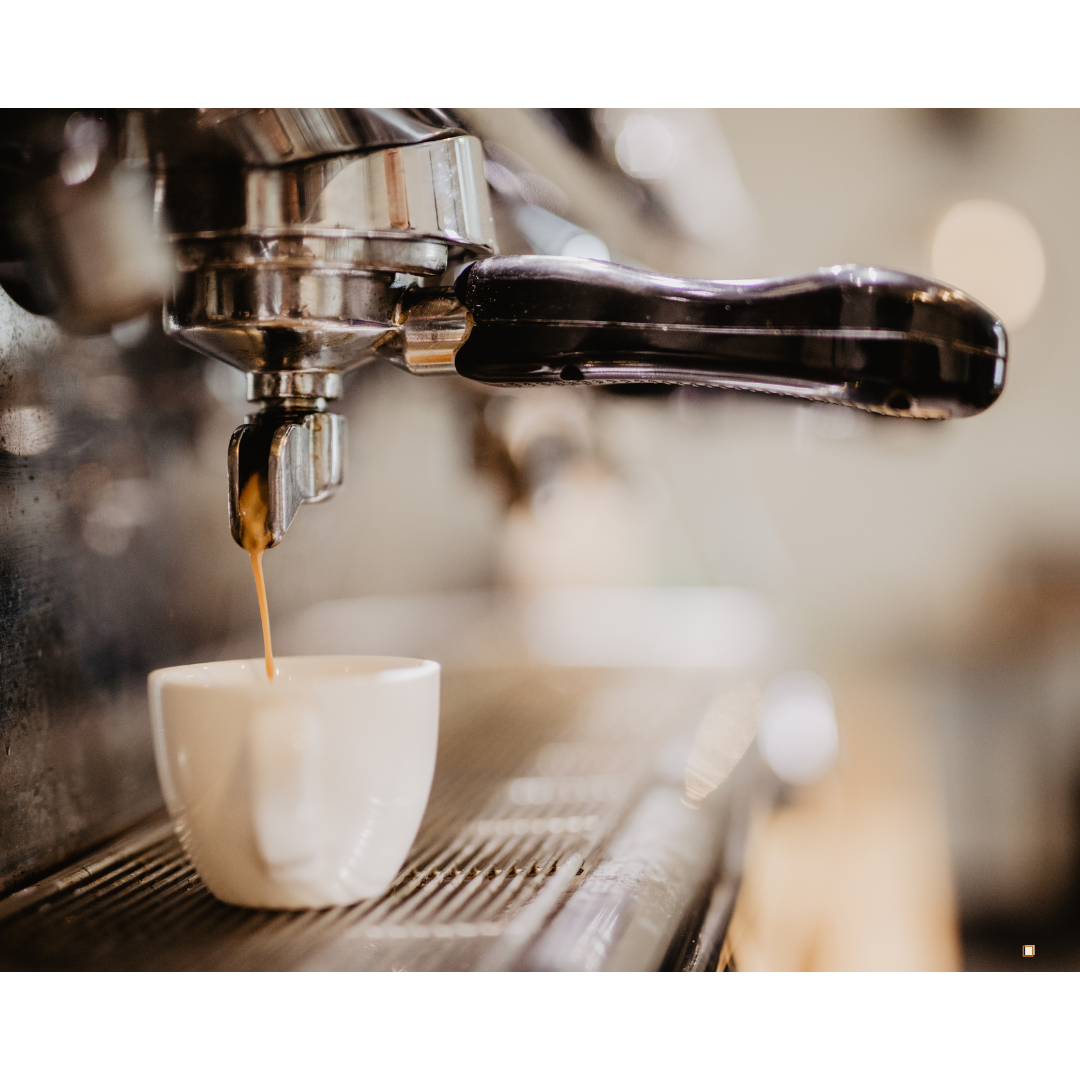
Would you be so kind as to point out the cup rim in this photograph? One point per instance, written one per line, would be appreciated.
(396, 669)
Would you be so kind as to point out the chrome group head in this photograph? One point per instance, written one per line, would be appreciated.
(301, 240)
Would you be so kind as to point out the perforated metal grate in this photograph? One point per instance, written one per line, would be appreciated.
(540, 776)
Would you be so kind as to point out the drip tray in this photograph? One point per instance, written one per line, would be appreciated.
(559, 836)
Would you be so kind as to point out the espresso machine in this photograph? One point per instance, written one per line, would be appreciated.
(298, 245)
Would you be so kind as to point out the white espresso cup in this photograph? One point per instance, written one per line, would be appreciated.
(304, 792)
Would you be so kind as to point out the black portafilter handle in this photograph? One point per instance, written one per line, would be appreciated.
(875, 339)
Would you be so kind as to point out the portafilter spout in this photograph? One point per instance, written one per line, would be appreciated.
(296, 448)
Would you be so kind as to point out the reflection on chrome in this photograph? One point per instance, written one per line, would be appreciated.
(722, 739)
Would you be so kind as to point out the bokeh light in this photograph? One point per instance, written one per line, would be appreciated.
(991, 251)
(797, 732)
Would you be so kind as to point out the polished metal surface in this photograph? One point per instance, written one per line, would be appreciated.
(559, 835)
(77, 218)
(294, 387)
(305, 276)
(88, 198)
(268, 319)
(280, 136)
(428, 191)
(304, 461)
(113, 551)
(435, 324)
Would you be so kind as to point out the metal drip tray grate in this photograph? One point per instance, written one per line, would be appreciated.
(553, 839)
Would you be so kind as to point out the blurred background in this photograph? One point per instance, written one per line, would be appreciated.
(928, 572)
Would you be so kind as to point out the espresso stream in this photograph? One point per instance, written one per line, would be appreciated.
(254, 505)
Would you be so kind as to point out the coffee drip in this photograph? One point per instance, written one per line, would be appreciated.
(254, 507)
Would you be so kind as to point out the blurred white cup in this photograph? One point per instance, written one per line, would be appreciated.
(304, 792)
